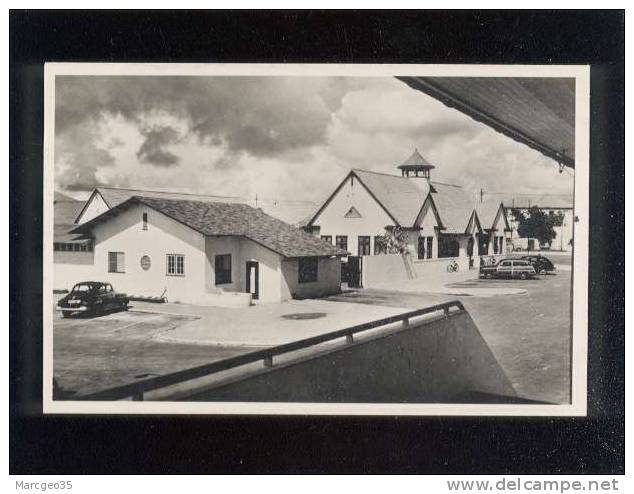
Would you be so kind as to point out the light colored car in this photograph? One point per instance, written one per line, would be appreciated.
(509, 268)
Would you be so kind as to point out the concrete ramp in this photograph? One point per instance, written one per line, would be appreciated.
(434, 360)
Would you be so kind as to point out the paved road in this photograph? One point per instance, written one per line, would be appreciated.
(529, 334)
(98, 353)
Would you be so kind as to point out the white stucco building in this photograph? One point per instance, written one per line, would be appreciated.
(208, 253)
(440, 221)
(559, 205)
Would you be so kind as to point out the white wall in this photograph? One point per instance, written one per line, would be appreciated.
(124, 233)
(70, 267)
(328, 279)
(373, 219)
(96, 206)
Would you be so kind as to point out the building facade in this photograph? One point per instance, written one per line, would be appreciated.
(438, 222)
(207, 253)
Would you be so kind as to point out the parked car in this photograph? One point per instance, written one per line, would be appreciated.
(540, 263)
(92, 297)
(509, 268)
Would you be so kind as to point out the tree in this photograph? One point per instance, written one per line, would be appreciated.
(534, 223)
(393, 241)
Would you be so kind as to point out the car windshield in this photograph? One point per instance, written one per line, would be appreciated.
(81, 288)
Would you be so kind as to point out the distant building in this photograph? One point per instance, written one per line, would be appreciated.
(207, 253)
(72, 253)
(559, 205)
(439, 220)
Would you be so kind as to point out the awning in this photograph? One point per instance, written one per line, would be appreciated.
(539, 112)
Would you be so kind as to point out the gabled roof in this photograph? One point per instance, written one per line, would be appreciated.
(455, 207)
(229, 219)
(292, 212)
(488, 211)
(65, 210)
(401, 197)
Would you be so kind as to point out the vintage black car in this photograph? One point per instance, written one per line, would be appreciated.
(92, 297)
(540, 263)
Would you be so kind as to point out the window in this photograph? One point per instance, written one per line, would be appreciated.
(497, 245)
(175, 265)
(342, 242)
(380, 245)
(430, 245)
(307, 269)
(116, 262)
(364, 245)
(421, 247)
(145, 221)
(57, 246)
(327, 238)
(223, 269)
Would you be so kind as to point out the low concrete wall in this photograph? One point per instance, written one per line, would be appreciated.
(391, 267)
(435, 361)
(378, 269)
(434, 267)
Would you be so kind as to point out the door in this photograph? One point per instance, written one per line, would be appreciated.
(253, 279)
(355, 264)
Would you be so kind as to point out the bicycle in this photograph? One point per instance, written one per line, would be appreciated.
(452, 267)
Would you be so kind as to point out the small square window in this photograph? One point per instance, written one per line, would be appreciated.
(327, 238)
(116, 262)
(175, 265)
(308, 269)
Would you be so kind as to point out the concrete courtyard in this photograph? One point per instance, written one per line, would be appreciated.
(528, 332)
(91, 354)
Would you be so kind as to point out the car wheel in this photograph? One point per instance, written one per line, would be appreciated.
(98, 310)
(523, 276)
(65, 314)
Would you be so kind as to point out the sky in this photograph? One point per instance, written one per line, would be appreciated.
(282, 138)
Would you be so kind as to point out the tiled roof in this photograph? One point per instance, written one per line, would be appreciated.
(64, 214)
(292, 212)
(454, 205)
(402, 197)
(231, 219)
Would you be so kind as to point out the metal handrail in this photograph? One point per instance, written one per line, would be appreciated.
(137, 389)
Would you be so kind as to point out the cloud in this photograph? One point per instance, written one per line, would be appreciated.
(283, 137)
(79, 158)
(153, 150)
(263, 116)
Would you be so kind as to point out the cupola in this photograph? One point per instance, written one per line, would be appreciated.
(416, 166)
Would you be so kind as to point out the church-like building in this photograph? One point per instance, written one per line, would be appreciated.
(437, 220)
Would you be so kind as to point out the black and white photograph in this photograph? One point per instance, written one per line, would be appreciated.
(286, 238)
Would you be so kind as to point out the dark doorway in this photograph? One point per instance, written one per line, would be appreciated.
(355, 266)
(253, 279)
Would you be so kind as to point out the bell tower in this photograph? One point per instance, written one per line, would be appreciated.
(416, 166)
